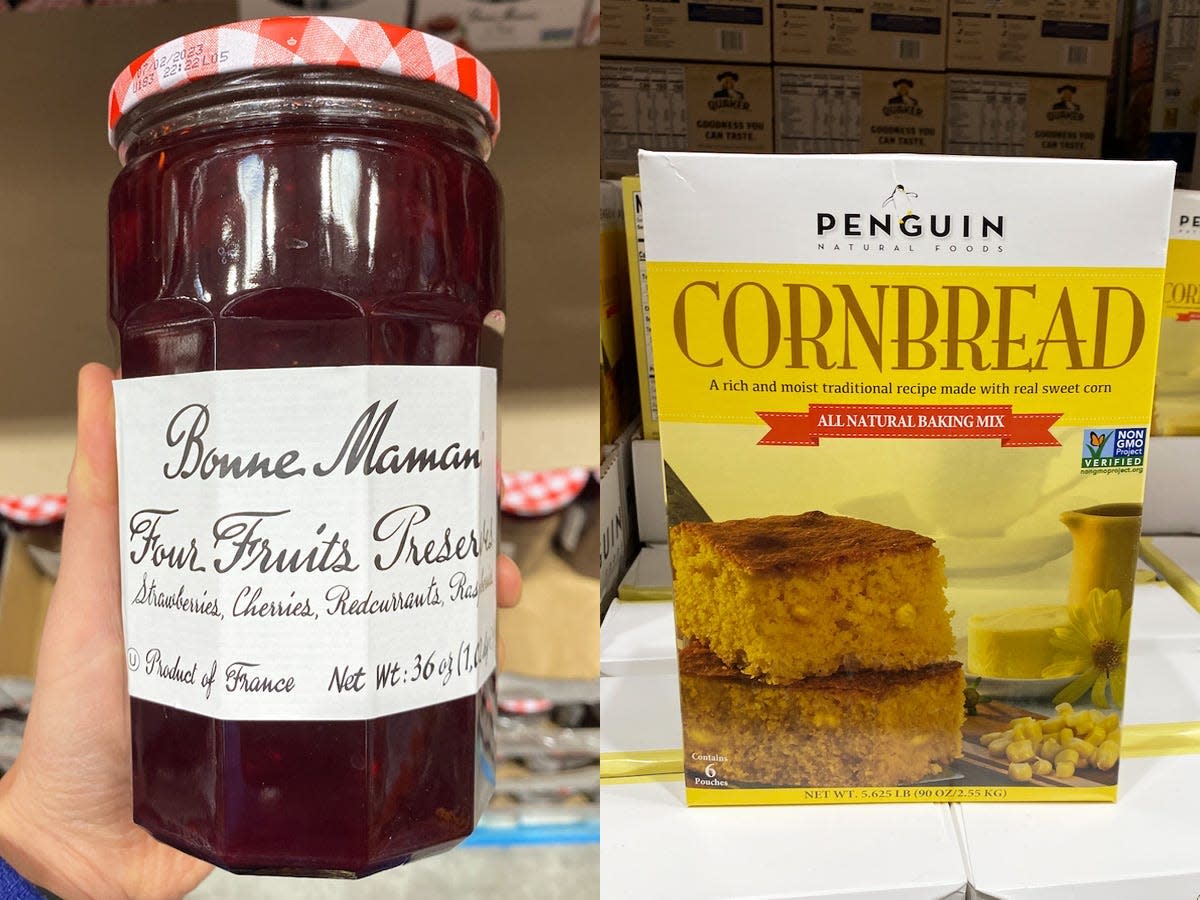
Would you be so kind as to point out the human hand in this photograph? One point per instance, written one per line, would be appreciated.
(66, 810)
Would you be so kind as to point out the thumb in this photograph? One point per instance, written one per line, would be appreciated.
(88, 587)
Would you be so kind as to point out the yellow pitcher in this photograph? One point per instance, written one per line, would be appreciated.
(1105, 550)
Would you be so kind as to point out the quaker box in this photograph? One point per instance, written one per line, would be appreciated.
(647, 105)
(1053, 37)
(908, 34)
(858, 110)
(726, 30)
(1013, 115)
(903, 404)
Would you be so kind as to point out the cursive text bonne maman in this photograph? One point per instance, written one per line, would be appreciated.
(361, 451)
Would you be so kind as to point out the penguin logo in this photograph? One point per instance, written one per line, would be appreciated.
(902, 199)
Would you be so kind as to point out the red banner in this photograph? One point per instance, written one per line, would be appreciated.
(951, 421)
(1191, 315)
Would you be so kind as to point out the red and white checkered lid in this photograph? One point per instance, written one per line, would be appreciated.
(542, 493)
(304, 41)
(34, 509)
(525, 706)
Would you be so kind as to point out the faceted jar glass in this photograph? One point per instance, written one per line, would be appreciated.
(307, 216)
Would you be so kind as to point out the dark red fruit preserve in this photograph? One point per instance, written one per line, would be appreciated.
(335, 212)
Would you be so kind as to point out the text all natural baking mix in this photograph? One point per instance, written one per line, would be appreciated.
(903, 405)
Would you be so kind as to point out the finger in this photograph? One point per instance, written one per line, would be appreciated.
(508, 582)
(89, 579)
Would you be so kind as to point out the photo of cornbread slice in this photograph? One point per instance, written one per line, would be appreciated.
(847, 730)
(791, 597)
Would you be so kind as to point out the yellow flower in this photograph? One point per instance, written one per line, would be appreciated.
(1093, 647)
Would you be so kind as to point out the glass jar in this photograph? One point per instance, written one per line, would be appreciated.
(305, 193)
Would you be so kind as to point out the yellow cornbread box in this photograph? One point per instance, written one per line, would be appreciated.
(1177, 406)
(903, 404)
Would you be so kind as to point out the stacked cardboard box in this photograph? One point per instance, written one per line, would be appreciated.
(868, 77)
(858, 111)
(1161, 101)
(1027, 77)
(1051, 37)
(713, 30)
(1015, 115)
(678, 76)
(657, 105)
(901, 34)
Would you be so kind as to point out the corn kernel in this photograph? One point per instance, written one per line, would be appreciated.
(997, 748)
(1070, 756)
(906, 615)
(1034, 732)
(1019, 751)
(1053, 726)
(1050, 748)
(1082, 747)
(1042, 766)
(1020, 771)
(991, 736)
(1080, 721)
(1064, 769)
(1064, 709)
(1115, 736)
(1066, 736)
(1019, 732)
(1111, 722)
(1096, 736)
(1106, 756)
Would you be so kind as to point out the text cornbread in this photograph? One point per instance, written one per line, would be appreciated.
(789, 597)
(853, 730)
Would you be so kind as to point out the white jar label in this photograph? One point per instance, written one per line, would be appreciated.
(314, 543)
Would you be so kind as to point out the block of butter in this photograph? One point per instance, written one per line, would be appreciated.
(1013, 643)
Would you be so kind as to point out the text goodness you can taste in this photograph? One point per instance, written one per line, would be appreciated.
(306, 289)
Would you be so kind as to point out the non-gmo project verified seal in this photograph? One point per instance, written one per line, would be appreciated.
(1113, 448)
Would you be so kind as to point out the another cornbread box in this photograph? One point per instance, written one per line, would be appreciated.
(1177, 396)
